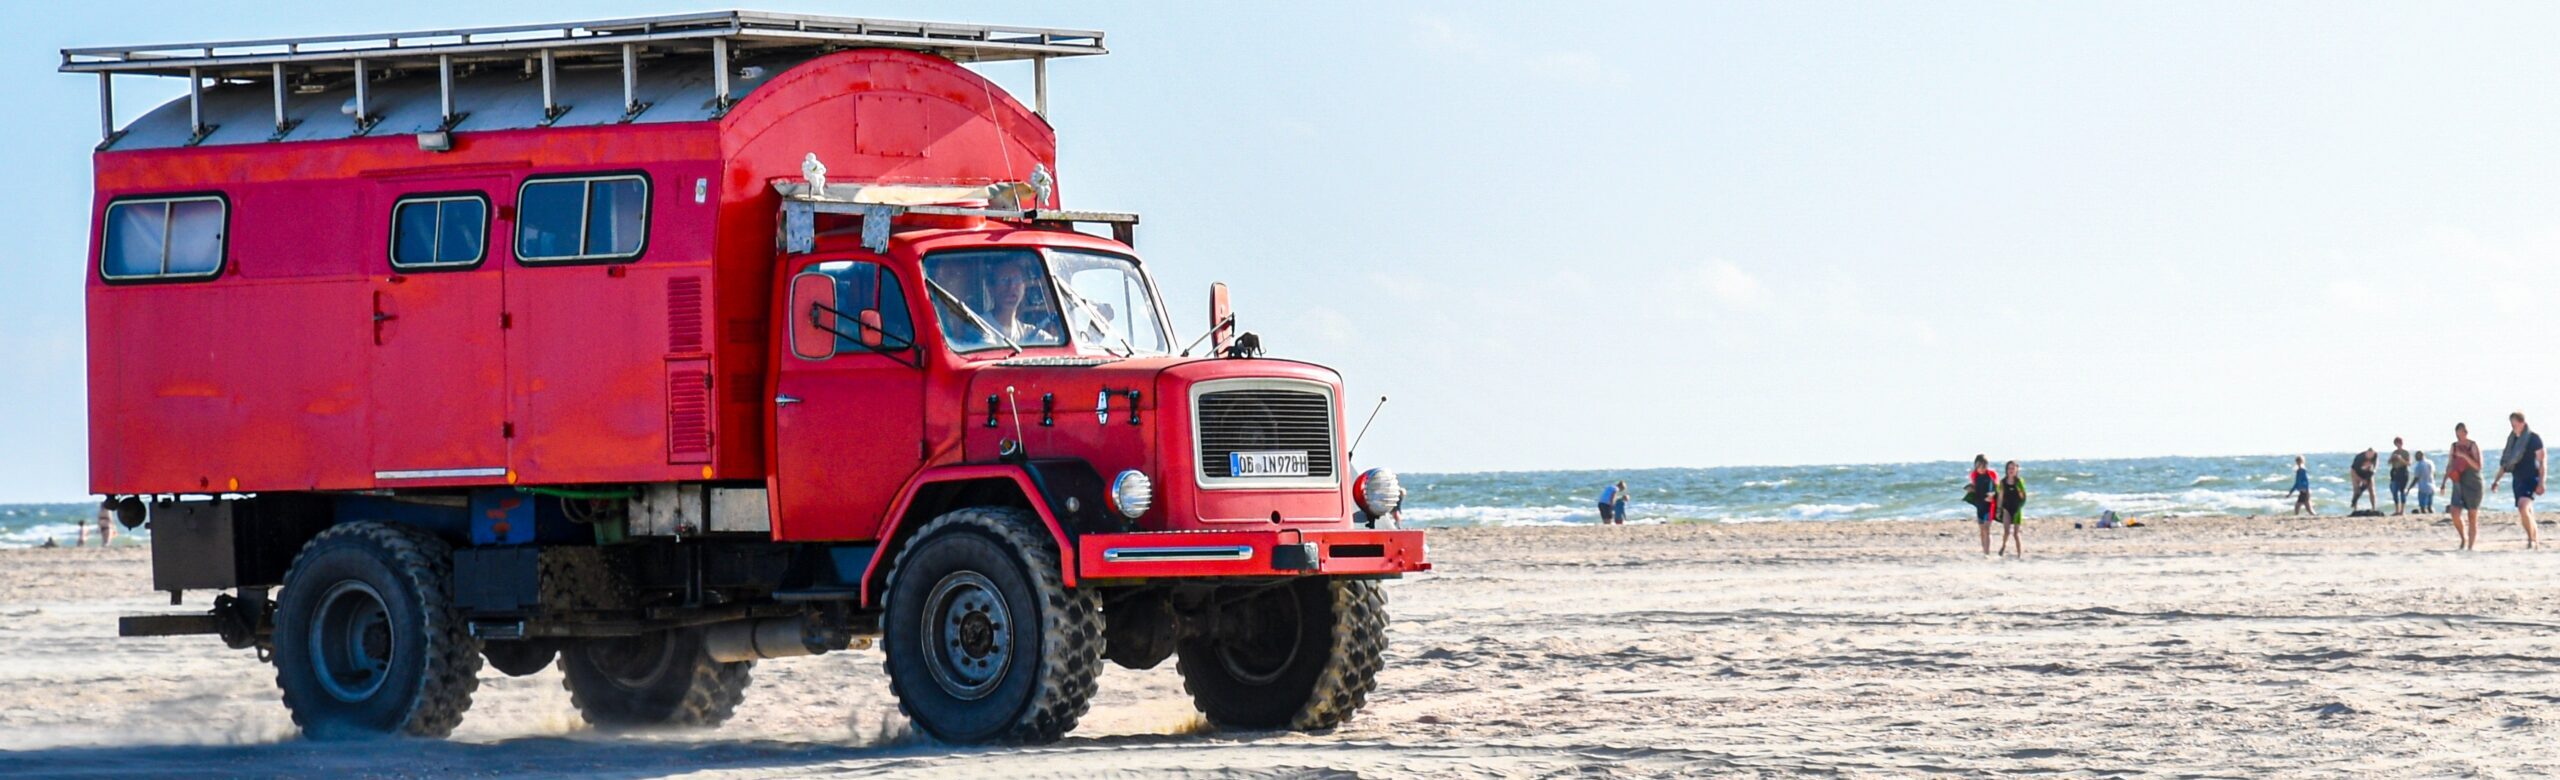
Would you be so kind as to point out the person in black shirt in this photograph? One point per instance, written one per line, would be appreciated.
(2013, 511)
(2360, 480)
(2523, 458)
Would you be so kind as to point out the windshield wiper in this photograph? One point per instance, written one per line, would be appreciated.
(1093, 316)
(945, 297)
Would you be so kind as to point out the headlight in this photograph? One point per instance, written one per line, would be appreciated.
(1377, 492)
(1132, 493)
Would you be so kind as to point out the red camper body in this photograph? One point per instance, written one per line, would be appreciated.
(694, 340)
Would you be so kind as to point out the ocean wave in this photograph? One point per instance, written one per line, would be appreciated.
(1827, 511)
(1768, 483)
(2206, 480)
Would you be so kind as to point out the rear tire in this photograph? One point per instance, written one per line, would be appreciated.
(367, 639)
(657, 679)
(1300, 656)
(984, 641)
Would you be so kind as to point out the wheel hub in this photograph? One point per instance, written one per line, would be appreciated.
(970, 630)
(1264, 639)
(351, 641)
(635, 662)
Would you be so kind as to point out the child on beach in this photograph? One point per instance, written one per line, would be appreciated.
(2462, 477)
(2013, 505)
(2423, 475)
(1622, 502)
(1982, 490)
(2302, 488)
(2399, 476)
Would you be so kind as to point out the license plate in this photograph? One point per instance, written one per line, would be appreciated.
(1267, 464)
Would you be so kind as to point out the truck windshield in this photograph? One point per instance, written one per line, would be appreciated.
(1002, 287)
(1099, 301)
(1108, 303)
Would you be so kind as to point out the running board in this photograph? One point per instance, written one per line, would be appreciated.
(167, 625)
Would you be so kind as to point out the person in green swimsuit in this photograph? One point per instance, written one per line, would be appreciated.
(2013, 506)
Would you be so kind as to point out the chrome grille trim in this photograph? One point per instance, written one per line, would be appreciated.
(1291, 414)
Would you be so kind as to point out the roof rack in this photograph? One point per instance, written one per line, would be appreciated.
(879, 205)
(721, 33)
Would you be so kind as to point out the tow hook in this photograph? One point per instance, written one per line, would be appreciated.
(1294, 556)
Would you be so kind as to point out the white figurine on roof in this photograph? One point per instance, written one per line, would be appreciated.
(816, 174)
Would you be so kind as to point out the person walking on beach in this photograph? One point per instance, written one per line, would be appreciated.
(2423, 475)
(1982, 490)
(2013, 506)
(2399, 476)
(1621, 505)
(2462, 480)
(1609, 505)
(2523, 457)
(2302, 488)
(2360, 479)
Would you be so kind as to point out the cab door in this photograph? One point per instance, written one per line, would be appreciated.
(848, 417)
(439, 402)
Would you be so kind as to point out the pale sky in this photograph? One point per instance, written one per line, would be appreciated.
(1676, 234)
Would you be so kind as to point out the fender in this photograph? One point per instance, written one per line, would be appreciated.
(896, 521)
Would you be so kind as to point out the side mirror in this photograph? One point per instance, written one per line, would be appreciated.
(813, 298)
(1220, 330)
(871, 329)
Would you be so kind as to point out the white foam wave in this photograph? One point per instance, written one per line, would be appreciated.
(1827, 511)
(1768, 483)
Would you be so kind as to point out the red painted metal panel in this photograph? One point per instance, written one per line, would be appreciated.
(438, 405)
(853, 438)
(907, 495)
(689, 433)
(266, 377)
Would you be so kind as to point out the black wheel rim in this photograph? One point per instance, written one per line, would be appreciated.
(1268, 645)
(633, 663)
(351, 641)
(970, 634)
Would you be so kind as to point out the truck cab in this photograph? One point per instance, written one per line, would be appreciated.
(655, 348)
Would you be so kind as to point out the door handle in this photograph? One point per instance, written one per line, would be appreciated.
(784, 400)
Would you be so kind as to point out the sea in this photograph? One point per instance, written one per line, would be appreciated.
(2136, 487)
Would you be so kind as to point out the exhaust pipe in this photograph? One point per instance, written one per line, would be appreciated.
(762, 638)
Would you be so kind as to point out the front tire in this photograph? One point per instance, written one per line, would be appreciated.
(984, 641)
(367, 639)
(1301, 656)
(657, 679)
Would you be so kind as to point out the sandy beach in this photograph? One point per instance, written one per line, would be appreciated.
(2232, 647)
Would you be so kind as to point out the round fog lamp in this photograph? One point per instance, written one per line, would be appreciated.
(1377, 492)
(1132, 493)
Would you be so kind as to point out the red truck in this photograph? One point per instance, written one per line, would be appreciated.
(657, 347)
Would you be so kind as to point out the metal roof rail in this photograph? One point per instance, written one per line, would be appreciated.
(879, 205)
(723, 34)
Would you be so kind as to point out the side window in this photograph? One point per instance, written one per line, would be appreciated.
(588, 219)
(862, 286)
(163, 238)
(439, 232)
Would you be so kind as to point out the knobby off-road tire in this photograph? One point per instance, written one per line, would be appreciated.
(985, 643)
(367, 639)
(658, 679)
(1307, 661)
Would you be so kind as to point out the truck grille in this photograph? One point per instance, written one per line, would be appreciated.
(1262, 418)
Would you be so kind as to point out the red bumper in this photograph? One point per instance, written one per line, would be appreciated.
(1260, 553)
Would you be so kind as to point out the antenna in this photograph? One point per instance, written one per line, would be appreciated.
(1364, 429)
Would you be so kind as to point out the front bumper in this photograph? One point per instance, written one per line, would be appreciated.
(1257, 553)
